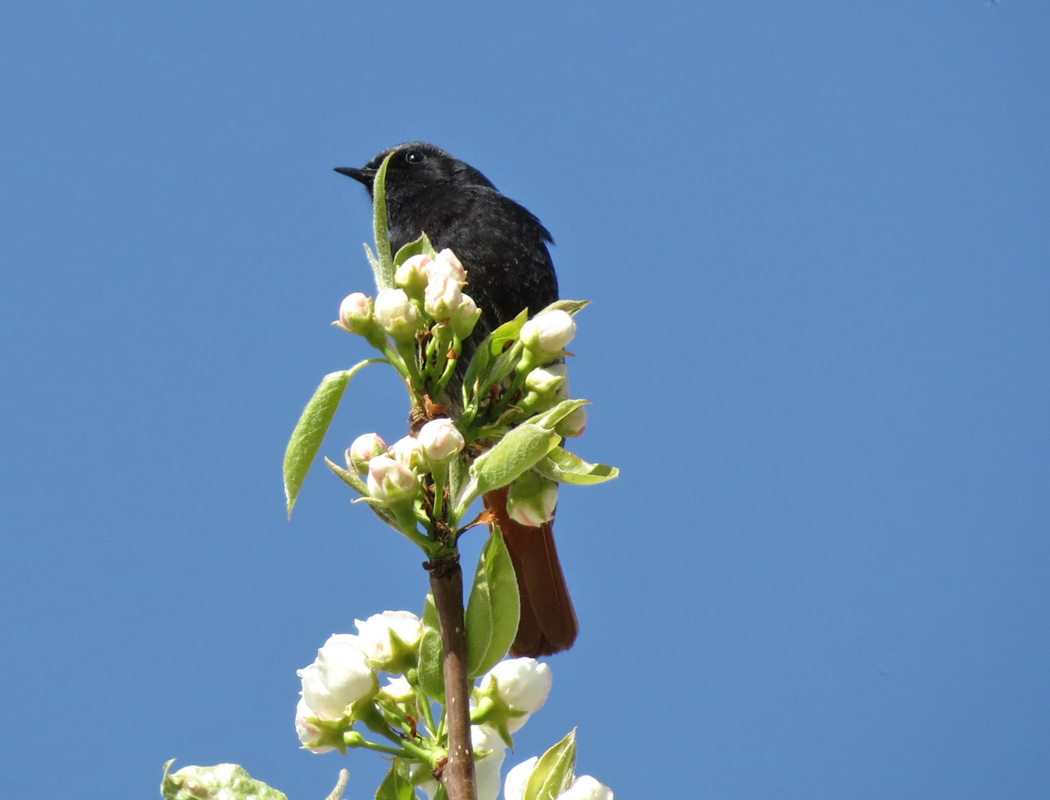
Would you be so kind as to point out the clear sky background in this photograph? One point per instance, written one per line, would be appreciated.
(817, 237)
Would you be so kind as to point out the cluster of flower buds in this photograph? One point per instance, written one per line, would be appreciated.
(394, 473)
(341, 687)
(427, 290)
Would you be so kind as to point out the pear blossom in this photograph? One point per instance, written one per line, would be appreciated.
(521, 685)
(355, 313)
(363, 449)
(390, 481)
(531, 500)
(396, 314)
(338, 677)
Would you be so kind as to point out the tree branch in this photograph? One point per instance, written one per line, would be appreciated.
(446, 581)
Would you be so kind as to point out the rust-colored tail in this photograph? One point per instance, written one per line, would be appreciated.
(548, 621)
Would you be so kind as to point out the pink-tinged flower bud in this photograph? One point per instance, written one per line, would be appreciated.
(355, 313)
(362, 450)
(406, 451)
(442, 297)
(446, 263)
(309, 733)
(339, 676)
(396, 314)
(439, 440)
(573, 425)
(412, 275)
(548, 333)
(465, 317)
(521, 686)
(586, 788)
(391, 482)
(531, 500)
(389, 640)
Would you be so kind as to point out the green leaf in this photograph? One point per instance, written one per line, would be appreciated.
(312, 426)
(431, 669)
(506, 332)
(552, 416)
(564, 467)
(220, 782)
(420, 246)
(572, 307)
(511, 456)
(309, 432)
(396, 785)
(372, 260)
(493, 607)
(554, 771)
(384, 275)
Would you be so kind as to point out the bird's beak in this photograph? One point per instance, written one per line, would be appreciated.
(361, 175)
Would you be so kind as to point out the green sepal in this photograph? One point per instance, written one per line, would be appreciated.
(396, 785)
(554, 771)
(384, 269)
(219, 782)
(493, 608)
(431, 668)
(564, 467)
(351, 479)
(420, 246)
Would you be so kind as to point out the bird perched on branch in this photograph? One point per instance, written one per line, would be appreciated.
(504, 250)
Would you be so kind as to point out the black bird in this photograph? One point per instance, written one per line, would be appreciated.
(504, 250)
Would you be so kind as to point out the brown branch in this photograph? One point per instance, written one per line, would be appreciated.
(446, 581)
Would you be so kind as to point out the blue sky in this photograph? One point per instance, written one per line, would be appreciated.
(816, 235)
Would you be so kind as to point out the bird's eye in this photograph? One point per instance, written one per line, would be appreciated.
(414, 157)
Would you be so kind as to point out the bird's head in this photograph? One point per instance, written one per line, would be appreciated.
(415, 168)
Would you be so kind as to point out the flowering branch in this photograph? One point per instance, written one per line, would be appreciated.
(498, 422)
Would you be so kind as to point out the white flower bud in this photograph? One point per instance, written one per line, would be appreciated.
(520, 684)
(586, 788)
(443, 296)
(518, 779)
(446, 263)
(573, 424)
(406, 451)
(355, 313)
(412, 275)
(552, 381)
(531, 500)
(486, 767)
(439, 440)
(396, 314)
(339, 676)
(375, 637)
(465, 317)
(391, 482)
(362, 450)
(548, 333)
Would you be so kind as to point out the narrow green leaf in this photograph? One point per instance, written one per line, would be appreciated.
(431, 669)
(554, 771)
(309, 432)
(219, 782)
(493, 607)
(511, 456)
(572, 307)
(385, 273)
(506, 332)
(312, 426)
(372, 260)
(564, 467)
